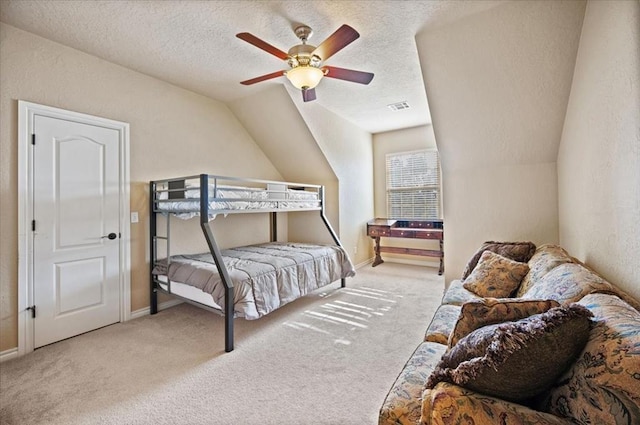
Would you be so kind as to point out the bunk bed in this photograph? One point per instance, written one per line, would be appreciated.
(248, 281)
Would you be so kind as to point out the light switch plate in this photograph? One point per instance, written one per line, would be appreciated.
(134, 217)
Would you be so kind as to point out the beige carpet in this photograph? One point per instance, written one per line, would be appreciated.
(328, 358)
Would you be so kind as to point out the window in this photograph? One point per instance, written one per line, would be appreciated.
(413, 185)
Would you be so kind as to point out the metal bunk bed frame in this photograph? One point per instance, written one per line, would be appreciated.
(177, 186)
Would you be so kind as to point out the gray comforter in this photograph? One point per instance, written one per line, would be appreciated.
(265, 276)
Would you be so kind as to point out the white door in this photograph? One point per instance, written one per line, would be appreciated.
(76, 247)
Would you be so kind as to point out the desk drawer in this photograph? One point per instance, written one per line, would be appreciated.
(426, 234)
(402, 233)
(377, 231)
(419, 224)
(422, 224)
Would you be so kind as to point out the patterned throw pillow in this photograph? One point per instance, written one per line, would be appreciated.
(517, 251)
(495, 276)
(489, 311)
(516, 361)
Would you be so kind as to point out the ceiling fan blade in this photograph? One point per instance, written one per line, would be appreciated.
(308, 95)
(263, 78)
(252, 39)
(348, 74)
(336, 42)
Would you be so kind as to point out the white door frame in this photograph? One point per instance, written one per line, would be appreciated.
(26, 113)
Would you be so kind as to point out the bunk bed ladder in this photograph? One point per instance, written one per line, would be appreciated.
(343, 281)
(153, 249)
(217, 256)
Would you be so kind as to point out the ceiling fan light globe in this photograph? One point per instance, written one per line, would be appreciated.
(305, 77)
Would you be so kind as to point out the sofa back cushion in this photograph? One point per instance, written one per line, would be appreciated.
(616, 291)
(517, 251)
(546, 258)
(568, 283)
(603, 385)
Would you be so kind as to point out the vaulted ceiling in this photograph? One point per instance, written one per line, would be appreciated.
(192, 44)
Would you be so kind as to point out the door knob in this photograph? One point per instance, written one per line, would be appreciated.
(110, 236)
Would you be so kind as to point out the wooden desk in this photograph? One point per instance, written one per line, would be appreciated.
(412, 229)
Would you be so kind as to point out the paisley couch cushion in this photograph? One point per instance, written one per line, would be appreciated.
(616, 291)
(603, 385)
(516, 360)
(546, 258)
(568, 283)
(404, 401)
(457, 295)
(488, 311)
(495, 276)
(442, 324)
(517, 251)
(450, 404)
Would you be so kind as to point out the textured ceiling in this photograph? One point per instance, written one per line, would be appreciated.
(192, 44)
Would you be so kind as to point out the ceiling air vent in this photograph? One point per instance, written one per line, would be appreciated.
(398, 106)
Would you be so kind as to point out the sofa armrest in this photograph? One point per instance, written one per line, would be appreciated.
(450, 404)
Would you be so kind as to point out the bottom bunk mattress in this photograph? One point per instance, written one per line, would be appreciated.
(265, 276)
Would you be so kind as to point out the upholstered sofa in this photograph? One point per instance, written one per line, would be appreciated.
(598, 383)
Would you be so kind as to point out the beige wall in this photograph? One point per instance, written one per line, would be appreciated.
(498, 84)
(174, 132)
(405, 140)
(599, 157)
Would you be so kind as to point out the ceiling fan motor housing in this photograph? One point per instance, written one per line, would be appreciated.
(301, 55)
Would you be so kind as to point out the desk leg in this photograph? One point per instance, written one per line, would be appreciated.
(378, 259)
(441, 270)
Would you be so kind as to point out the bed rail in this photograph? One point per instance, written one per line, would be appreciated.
(206, 196)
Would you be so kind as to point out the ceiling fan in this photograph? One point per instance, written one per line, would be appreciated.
(306, 61)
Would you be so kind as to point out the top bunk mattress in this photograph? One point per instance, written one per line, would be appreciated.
(232, 199)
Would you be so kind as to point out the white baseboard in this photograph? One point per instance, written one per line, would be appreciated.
(364, 263)
(9, 354)
(13, 352)
(147, 310)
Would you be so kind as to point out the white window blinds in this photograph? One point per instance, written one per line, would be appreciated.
(413, 185)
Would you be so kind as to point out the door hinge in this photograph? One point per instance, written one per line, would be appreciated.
(33, 311)
(33, 225)
(33, 139)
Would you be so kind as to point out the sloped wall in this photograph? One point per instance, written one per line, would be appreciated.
(273, 121)
(599, 157)
(308, 143)
(349, 151)
(174, 132)
(498, 83)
